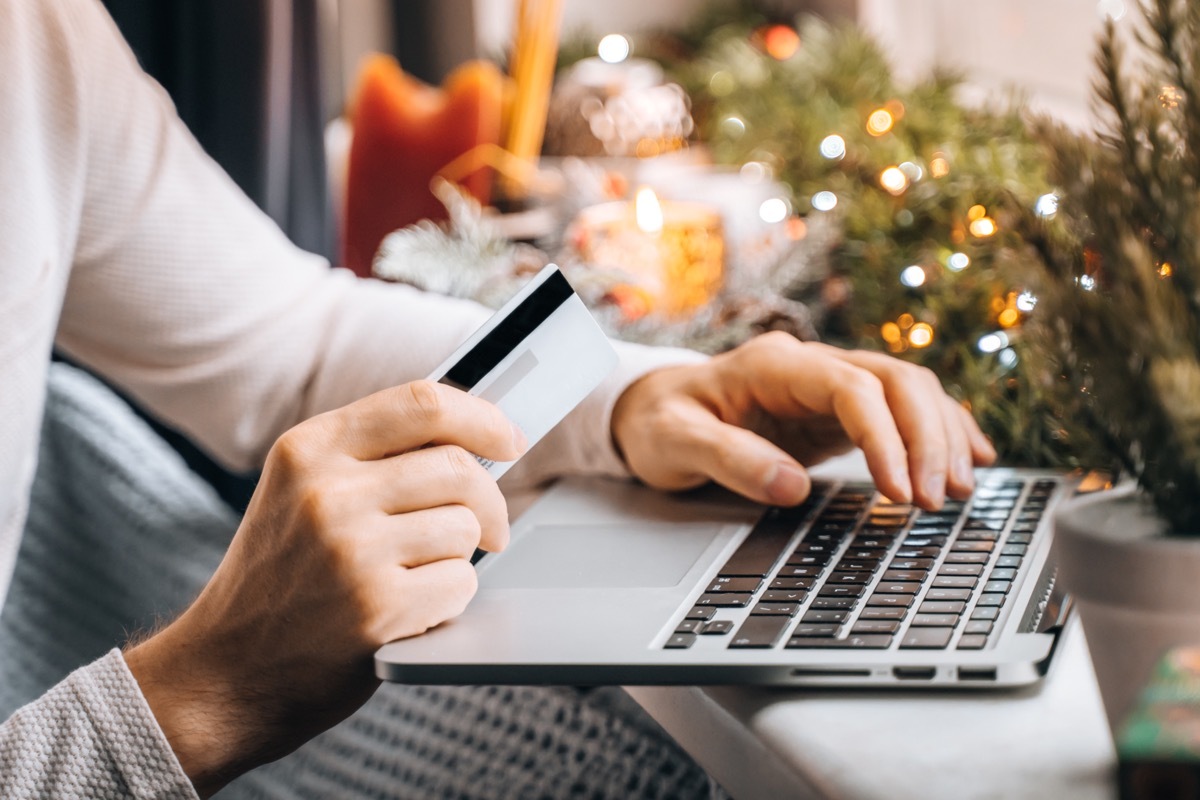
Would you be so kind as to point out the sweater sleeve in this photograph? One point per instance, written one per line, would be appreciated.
(192, 301)
(92, 735)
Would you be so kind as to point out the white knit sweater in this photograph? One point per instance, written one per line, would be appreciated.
(124, 246)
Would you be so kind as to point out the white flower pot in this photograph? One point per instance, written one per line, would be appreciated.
(1137, 590)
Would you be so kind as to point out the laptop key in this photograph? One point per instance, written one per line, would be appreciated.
(825, 615)
(717, 627)
(761, 548)
(948, 594)
(816, 629)
(680, 641)
(983, 626)
(776, 609)
(701, 612)
(1014, 550)
(1003, 574)
(724, 600)
(994, 599)
(955, 581)
(911, 563)
(915, 575)
(1008, 562)
(842, 590)
(934, 620)
(809, 560)
(894, 587)
(759, 632)
(750, 585)
(783, 596)
(865, 641)
(857, 565)
(893, 600)
(942, 607)
(926, 638)
(918, 552)
(876, 626)
(961, 569)
(972, 641)
(985, 613)
(834, 602)
(688, 626)
(983, 546)
(967, 558)
(848, 577)
(792, 583)
(883, 612)
(791, 571)
(996, 585)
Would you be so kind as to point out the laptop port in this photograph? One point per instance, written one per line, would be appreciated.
(977, 673)
(914, 673)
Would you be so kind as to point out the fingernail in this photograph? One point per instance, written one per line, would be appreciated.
(786, 484)
(935, 489)
(963, 474)
(519, 440)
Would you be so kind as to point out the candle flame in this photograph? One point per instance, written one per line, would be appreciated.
(649, 212)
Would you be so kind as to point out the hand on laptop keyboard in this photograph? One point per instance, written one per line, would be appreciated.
(748, 419)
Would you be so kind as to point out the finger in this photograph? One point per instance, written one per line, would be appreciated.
(915, 397)
(739, 459)
(961, 478)
(982, 451)
(440, 476)
(432, 534)
(797, 379)
(426, 596)
(416, 414)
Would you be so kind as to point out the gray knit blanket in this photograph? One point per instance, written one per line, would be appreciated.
(121, 534)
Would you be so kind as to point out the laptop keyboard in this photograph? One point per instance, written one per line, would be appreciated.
(872, 574)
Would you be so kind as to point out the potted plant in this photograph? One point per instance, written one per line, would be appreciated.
(1118, 283)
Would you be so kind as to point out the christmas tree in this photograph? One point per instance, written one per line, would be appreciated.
(923, 190)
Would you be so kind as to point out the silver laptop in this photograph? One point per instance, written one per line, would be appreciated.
(606, 582)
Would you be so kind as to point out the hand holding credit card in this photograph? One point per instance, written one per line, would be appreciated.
(536, 358)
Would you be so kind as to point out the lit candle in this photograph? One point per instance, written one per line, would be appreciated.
(405, 132)
(673, 251)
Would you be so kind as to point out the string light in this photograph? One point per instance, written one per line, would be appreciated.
(880, 122)
(1165, 270)
(905, 320)
(890, 332)
(976, 212)
(613, 48)
(1112, 9)
(824, 201)
(1008, 317)
(1026, 302)
(1008, 358)
(913, 276)
(921, 335)
(1046, 206)
(939, 165)
(833, 147)
(733, 126)
(894, 181)
(912, 171)
(983, 227)
(992, 342)
(958, 261)
(721, 83)
(781, 42)
(1086, 282)
(773, 210)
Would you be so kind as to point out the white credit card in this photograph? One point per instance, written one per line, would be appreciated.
(536, 358)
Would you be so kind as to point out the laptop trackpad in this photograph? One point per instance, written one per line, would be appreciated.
(599, 556)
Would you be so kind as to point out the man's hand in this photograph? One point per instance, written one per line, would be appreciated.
(750, 418)
(360, 532)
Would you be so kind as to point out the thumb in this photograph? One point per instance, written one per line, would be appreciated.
(743, 461)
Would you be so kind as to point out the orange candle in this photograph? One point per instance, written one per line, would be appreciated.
(405, 132)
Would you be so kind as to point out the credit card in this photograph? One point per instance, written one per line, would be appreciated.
(536, 359)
